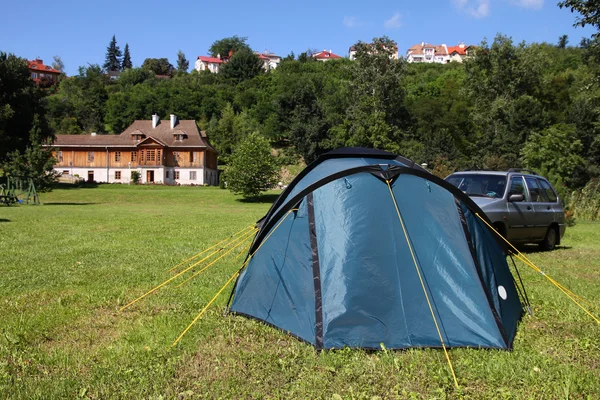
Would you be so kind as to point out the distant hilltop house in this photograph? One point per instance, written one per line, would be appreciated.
(170, 152)
(40, 72)
(352, 53)
(270, 60)
(213, 64)
(325, 55)
(434, 53)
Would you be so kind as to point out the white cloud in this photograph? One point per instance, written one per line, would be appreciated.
(477, 8)
(351, 22)
(393, 23)
(533, 4)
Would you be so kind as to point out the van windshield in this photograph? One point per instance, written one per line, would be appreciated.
(480, 184)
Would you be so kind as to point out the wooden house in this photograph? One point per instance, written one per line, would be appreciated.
(170, 152)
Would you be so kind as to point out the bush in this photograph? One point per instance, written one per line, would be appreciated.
(135, 177)
(252, 167)
(585, 203)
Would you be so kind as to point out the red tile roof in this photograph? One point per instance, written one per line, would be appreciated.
(208, 59)
(462, 51)
(38, 65)
(325, 55)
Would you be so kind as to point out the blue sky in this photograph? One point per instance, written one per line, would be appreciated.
(79, 32)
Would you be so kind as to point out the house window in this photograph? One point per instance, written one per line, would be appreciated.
(192, 175)
(176, 155)
(90, 156)
(117, 174)
(176, 174)
(59, 156)
(168, 174)
(133, 156)
(158, 155)
(150, 155)
(65, 172)
(117, 156)
(34, 75)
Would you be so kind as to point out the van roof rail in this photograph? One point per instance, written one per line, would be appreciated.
(522, 170)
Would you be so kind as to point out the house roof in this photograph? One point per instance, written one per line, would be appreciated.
(161, 134)
(208, 59)
(460, 50)
(38, 65)
(419, 49)
(325, 55)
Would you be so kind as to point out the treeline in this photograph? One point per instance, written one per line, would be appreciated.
(512, 105)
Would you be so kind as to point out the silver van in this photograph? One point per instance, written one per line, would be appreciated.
(522, 206)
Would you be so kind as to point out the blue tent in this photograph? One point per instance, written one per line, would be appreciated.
(366, 248)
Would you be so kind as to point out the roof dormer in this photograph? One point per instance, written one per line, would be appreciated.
(137, 135)
(179, 135)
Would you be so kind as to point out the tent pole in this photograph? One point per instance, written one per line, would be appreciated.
(412, 253)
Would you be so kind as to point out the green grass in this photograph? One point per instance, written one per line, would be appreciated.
(67, 266)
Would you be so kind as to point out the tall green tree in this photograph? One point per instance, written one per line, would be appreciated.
(58, 64)
(243, 65)
(563, 40)
(253, 168)
(182, 63)
(377, 114)
(35, 162)
(160, 66)
(126, 64)
(21, 102)
(588, 10)
(556, 150)
(223, 47)
(112, 60)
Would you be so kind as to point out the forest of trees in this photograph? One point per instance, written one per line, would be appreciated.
(512, 105)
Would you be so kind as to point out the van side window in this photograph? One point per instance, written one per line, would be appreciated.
(517, 186)
(535, 191)
(549, 191)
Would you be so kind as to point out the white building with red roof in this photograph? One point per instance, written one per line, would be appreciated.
(270, 60)
(436, 53)
(325, 56)
(212, 64)
(42, 73)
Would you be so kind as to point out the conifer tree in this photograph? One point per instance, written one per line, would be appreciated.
(126, 58)
(182, 63)
(113, 56)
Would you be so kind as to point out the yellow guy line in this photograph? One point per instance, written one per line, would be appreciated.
(221, 256)
(170, 279)
(231, 279)
(211, 247)
(527, 262)
(206, 308)
(243, 250)
(422, 283)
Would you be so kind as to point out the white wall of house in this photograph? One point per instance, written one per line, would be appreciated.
(166, 175)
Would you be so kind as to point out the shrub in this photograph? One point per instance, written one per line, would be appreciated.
(135, 177)
(585, 203)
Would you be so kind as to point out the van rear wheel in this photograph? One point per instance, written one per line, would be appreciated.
(549, 242)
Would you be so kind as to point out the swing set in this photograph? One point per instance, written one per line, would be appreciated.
(18, 190)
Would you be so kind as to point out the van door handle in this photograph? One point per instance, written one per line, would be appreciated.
(529, 207)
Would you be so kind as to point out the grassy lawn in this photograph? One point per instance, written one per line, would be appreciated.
(67, 266)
